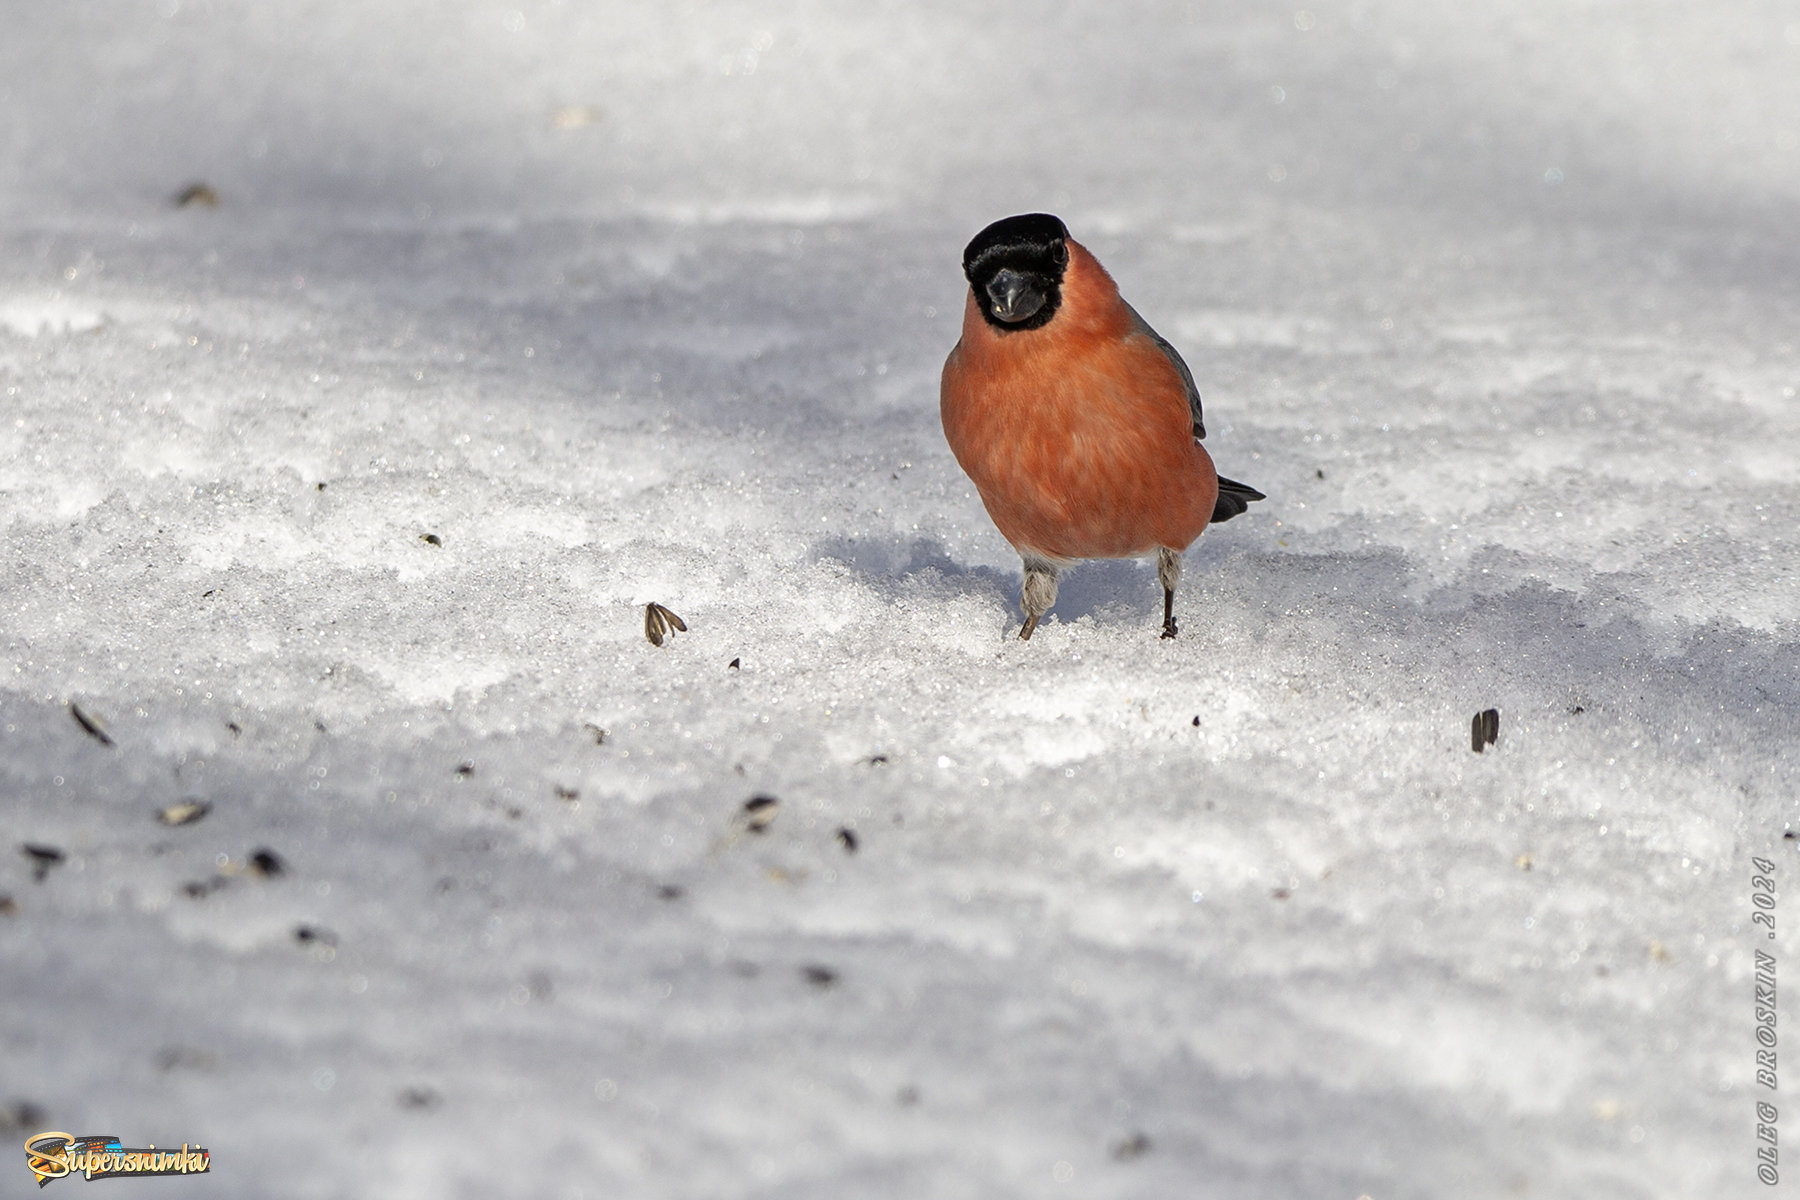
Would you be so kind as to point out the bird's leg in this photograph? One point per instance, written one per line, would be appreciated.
(1038, 594)
(1168, 572)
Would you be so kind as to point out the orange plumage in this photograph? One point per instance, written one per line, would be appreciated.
(1078, 425)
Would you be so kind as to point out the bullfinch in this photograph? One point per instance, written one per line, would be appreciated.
(1079, 424)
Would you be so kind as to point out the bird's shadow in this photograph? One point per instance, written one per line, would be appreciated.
(1119, 587)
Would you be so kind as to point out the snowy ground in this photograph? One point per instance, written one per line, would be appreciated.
(1498, 304)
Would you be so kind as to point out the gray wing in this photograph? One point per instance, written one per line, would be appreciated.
(1187, 376)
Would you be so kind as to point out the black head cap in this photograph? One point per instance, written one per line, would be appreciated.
(1015, 267)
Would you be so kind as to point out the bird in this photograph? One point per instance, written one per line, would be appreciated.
(1078, 423)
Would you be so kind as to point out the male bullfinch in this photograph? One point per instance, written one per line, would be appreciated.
(1079, 423)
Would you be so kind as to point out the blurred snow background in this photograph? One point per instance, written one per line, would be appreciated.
(620, 304)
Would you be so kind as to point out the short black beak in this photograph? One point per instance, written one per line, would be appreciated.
(1012, 296)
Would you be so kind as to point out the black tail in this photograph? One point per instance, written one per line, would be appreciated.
(1234, 498)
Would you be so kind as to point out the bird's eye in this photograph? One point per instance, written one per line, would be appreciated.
(1059, 252)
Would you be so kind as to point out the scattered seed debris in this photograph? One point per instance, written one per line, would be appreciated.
(1577, 710)
(1790, 836)
(42, 859)
(1659, 952)
(314, 934)
(598, 734)
(818, 976)
(21, 1114)
(196, 195)
(1523, 861)
(847, 838)
(236, 729)
(1135, 1146)
(759, 811)
(189, 1058)
(465, 769)
(566, 793)
(658, 621)
(319, 486)
(200, 889)
(185, 813)
(431, 539)
(1196, 721)
(1484, 730)
(735, 665)
(1281, 893)
(877, 760)
(1319, 474)
(267, 863)
(418, 1099)
(94, 727)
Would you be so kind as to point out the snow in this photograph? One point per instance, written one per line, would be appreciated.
(647, 305)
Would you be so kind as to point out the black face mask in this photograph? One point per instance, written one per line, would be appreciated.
(1015, 267)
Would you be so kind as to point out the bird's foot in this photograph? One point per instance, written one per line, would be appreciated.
(1030, 625)
(1169, 629)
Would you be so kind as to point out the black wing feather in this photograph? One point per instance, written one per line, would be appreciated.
(1187, 376)
(1234, 497)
